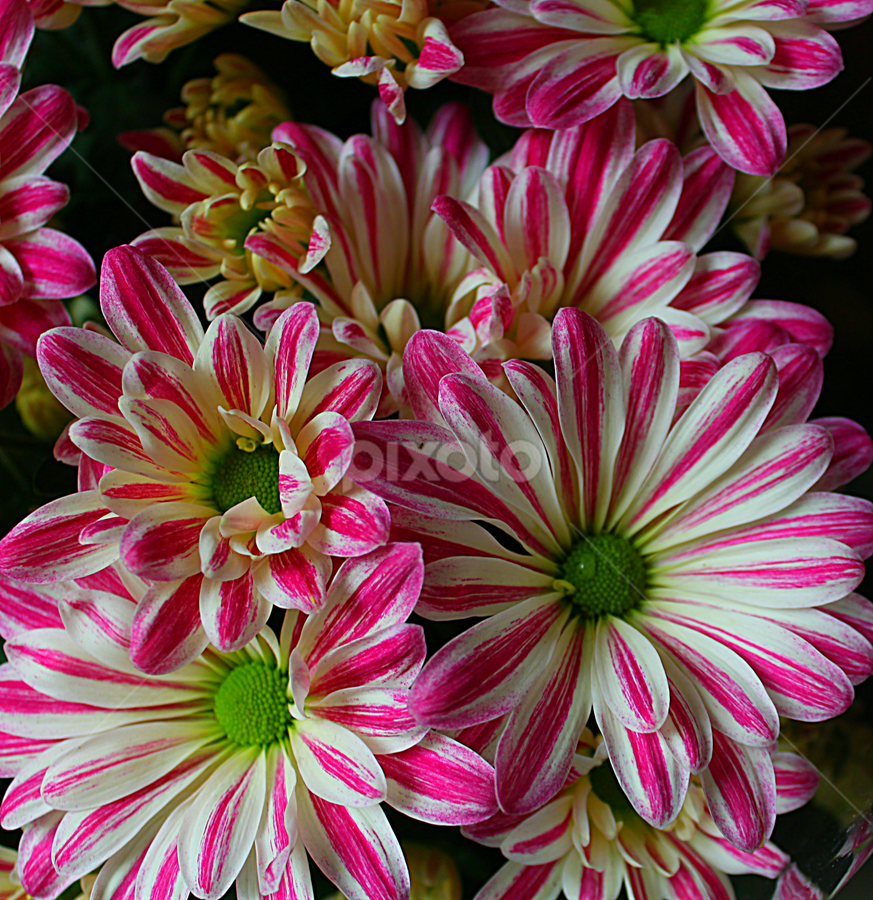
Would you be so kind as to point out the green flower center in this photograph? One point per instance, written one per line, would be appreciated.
(667, 21)
(605, 785)
(603, 575)
(245, 473)
(252, 705)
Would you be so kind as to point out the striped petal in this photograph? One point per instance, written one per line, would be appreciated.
(45, 546)
(440, 781)
(166, 184)
(290, 347)
(516, 881)
(488, 669)
(740, 788)
(220, 827)
(233, 612)
(537, 746)
(162, 541)
(355, 848)
(145, 308)
(36, 129)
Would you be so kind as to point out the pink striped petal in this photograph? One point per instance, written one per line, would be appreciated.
(336, 765)
(740, 789)
(162, 541)
(35, 864)
(183, 259)
(290, 347)
(732, 693)
(28, 203)
(803, 324)
(233, 612)
(24, 607)
(575, 84)
(631, 680)
(590, 403)
(474, 231)
(710, 436)
(537, 746)
(52, 264)
(45, 546)
(145, 308)
(650, 369)
(542, 837)
(802, 683)
(354, 847)
(648, 70)
(159, 871)
(16, 33)
(351, 524)
(519, 882)
(536, 222)
(768, 860)
(856, 612)
(156, 649)
(167, 435)
(294, 579)
(83, 370)
(166, 184)
(744, 126)
(797, 781)
(428, 356)
(805, 57)
(440, 781)
(488, 669)
(706, 190)
(801, 374)
(22, 324)
(687, 730)
(326, 445)
(853, 452)
(232, 358)
(277, 832)
(654, 781)
(351, 388)
(392, 655)
(36, 129)
(720, 285)
(378, 715)
(367, 594)
(220, 827)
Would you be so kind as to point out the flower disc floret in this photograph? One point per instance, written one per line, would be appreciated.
(668, 21)
(248, 471)
(603, 575)
(252, 705)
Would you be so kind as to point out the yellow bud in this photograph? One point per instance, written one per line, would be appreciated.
(40, 412)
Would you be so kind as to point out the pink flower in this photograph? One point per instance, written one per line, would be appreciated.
(589, 842)
(239, 766)
(555, 63)
(38, 265)
(689, 582)
(221, 464)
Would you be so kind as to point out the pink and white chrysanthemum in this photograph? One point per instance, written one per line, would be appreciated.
(38, 265)
(688, 581)
(589, 842)
(577, 218)
(239, 766)
(555, 63)
(224, 464)
(392, 264)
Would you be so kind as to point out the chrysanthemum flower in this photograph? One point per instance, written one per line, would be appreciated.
(219, 204)
(224, 487)
(811, 202)
(231, 114)
(687, 581)
(239, 766)
(173, 24)
(577, 218)
(589, 842)
(555, 63)
(394, 45)
(38, 265)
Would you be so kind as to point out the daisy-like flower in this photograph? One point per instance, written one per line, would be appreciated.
(231, 114)
(392, 264)
(811, 202)
(239, 766)
(688, 581)
(38, 265)
(224, 488)
(576, 218)
(219, 204)
(555, 63)
(172, 24)
(393, 45)
(589, 842)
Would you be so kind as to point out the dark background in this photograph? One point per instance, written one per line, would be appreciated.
(107, 208)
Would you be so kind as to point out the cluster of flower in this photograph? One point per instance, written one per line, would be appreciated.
(516, 392)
